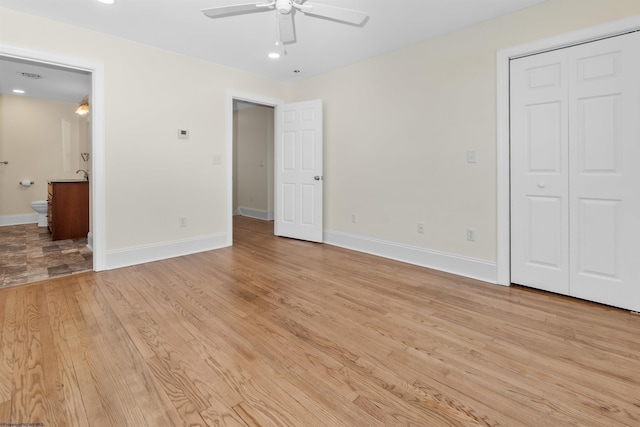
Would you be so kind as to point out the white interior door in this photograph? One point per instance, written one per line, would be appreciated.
(298, 171)
(575, 145)
(539, 183)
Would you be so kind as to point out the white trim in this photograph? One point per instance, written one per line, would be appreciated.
(150, 253)
(442, 261)
(18, 219)
(240, 96)
(502, 112)
(96, 68)
(255, 213)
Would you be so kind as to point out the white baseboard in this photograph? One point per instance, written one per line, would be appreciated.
(450, 263)
(254, 213)
(141, 255)
(18, 219)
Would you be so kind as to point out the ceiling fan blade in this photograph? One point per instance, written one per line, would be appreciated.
(351, 16)
(286, 28)
(238, 9)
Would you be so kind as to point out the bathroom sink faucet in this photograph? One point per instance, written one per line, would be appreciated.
(86, 174)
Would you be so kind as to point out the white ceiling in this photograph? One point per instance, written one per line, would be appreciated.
(243, 41)
(61, 84)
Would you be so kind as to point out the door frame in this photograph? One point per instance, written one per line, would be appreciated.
(98, 194)
(503, 57)
(235, 95)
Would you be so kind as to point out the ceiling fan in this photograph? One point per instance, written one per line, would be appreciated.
(284, 9)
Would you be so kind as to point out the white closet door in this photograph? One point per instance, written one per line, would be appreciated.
(604, 153)
(539, 175)
(575, 144)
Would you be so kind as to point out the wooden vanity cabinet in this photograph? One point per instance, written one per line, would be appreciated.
(68, 210)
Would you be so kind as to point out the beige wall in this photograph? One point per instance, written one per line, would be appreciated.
(253, 138)
(398, 127)
(31, 140)
(152, 178)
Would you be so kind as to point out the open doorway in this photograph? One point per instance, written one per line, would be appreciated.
(298, 165)
(239, 101)
(253, 160)
(84, 141)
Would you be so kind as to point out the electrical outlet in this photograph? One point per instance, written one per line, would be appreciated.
(421, 227)
(354, 218)
(471, 234)
(182, 221)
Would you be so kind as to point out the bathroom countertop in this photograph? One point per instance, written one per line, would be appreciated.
(67, 180)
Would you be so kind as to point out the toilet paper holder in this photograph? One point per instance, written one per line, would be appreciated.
(25, 182)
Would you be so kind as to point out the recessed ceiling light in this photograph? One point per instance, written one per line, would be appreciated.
(107, 1)
(274, 55)
(18, 91)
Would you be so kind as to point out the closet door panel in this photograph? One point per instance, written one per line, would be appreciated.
(604, 173)
(539, 172)
(575, 171)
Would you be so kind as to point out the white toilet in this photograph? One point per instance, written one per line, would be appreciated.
(41, 207)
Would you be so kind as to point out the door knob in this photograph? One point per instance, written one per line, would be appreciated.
(541, 184)
(317, 177)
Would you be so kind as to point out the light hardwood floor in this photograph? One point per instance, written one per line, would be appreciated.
(278, 332)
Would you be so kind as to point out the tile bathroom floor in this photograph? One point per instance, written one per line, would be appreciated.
(27, 254)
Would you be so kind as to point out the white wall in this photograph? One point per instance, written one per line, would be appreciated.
(152, 178)
(398, 127)
(31, 140)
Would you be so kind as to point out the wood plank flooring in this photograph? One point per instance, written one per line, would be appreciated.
(278, 332)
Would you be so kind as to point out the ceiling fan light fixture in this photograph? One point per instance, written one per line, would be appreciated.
(284, 6)
(278, 51)
(285, 28)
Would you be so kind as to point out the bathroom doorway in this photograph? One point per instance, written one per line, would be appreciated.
(39, 91)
